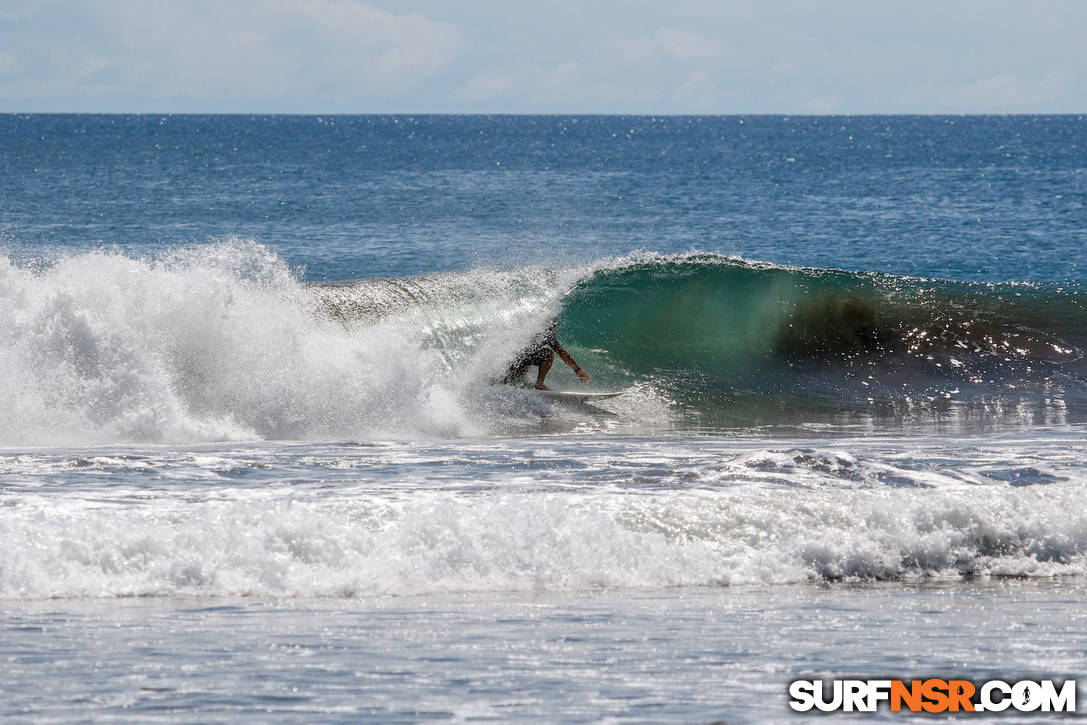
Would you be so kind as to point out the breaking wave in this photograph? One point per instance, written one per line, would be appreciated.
(226, 342)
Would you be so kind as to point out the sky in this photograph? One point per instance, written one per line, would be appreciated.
(558, 56)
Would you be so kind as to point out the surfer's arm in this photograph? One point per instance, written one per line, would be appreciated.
(569, 360)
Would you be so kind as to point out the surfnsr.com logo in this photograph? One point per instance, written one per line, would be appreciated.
(932, 695)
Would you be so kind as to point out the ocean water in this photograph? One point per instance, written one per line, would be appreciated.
(254, 461)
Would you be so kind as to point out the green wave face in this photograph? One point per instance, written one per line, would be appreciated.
(701, 316)
(719, 332)
(736, 343)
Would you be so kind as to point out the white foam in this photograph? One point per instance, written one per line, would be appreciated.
(288, 544)
(222, 342)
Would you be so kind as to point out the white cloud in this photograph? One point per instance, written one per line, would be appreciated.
(1012, 92)
(272, 47)
(490, 84)
(559, 78)
(670, 65)
(689, 47)
(698, 90)
(527, 83)
(666, 45)
(224, 53)
(388, 52)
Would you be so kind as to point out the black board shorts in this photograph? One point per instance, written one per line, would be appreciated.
(538, 356)
(538, 352)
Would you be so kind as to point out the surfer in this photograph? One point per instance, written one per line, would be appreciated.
(541, 353)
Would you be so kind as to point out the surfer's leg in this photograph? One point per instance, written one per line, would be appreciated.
(545, 366)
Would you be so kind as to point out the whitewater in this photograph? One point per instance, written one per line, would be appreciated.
(255, 461)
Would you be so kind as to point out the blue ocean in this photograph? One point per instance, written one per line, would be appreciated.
(257, 459)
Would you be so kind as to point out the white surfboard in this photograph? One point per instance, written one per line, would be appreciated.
(576, 395)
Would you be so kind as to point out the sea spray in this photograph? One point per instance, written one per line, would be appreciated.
(213, 342)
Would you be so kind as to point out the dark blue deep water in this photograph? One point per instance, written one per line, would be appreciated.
(992, 198)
